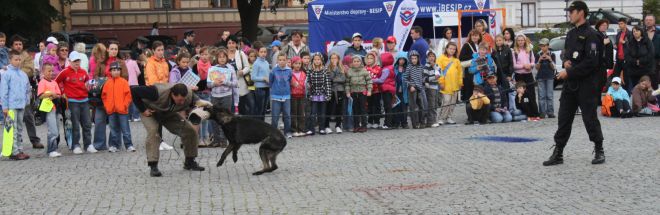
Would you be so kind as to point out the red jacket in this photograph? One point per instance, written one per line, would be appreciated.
(389, 86)
(116, 96)
(375, 72)
(299, 91)
(74, 83)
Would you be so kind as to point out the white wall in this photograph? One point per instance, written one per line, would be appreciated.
(552, 11)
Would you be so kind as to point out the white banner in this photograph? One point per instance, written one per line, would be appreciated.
(403, 22)
(495, 22)
(445, 19)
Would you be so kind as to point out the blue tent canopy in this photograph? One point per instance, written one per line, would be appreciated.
(334, 20)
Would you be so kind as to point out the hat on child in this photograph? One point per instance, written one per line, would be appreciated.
(52, 40)
(115, 65)
(391, 39)
(295, 59)
(616, 80)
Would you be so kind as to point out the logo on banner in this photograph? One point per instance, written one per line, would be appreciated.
(480, 4)
(317, 10)
(406, 17)
(389, 7)
(492, 20)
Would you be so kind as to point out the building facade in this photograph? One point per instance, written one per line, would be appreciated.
(124, 20)
(545, 13)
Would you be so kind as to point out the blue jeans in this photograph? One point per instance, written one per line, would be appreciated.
(497, 117)
(53, 131)
(261, 98)
(80, 118)
(214, 128)
(204, 125)
(18, 131)
(119, 126)
(133, 112)
(246, 104)
(518, 116)
(283, 107)
(546, 90)
(100, 118)
(317, 116)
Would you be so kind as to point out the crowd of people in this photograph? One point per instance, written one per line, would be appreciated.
(349, 88)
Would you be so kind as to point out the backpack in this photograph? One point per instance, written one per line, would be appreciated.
(607, 104)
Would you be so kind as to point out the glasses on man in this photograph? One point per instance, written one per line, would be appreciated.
(64, 50)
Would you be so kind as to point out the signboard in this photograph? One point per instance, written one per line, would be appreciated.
(445, 19)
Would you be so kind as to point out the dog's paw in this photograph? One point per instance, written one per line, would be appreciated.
(235, 158)
(258, 172)
(219, 163)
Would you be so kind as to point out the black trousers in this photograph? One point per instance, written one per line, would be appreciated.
(468, 86)
(335, 107)
(388, 98)
(374, 109)
(480, 115)
(585, 98)
(620, 105)
(359, 110)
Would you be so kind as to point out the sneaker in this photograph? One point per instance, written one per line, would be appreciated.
(450, 121)
(164, 147)
(289, 136)
(54, 154)
(384, 127)
(435, 125)
(130, 120)
(91, 149)
(77, 150)
(19, 156)
(136, 120)
(309, 133)
(441, 122)
(338, 130)
(112, 149)
(296, 134)
(322, 132)
(131, 149)
(328, 131)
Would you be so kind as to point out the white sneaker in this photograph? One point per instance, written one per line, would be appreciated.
(136, 120)
(338, 130)
(328, 131)
(435, 125)
(450, 121)
(384, 127)
(370, 126)
(54, 154)
(112, 149)
(289, 135)
(77, 150)
(309, 133)
(164, 147)
(91, 149)
(441, 122)
(131, 149)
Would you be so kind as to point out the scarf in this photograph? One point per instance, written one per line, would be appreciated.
(203, 69)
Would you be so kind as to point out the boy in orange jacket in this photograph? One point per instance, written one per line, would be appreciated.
(116, 96)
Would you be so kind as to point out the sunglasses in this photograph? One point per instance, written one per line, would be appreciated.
(64, 50)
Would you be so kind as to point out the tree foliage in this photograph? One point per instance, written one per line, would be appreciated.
(652, 7)
(28, 18)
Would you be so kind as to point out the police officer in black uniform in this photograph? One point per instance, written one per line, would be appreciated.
(581, 56)
(187, 42)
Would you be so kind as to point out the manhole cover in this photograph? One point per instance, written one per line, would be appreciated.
(506, 139)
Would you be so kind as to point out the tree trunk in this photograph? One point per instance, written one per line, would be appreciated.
(249, 11)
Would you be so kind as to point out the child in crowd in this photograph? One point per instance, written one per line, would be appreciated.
(74, 80)
(523, 63)
(387, 87)
(482, 64)
(450, 82)
(260, 75)
(416, 94)
(337, 99)
(298, 98)
(525, 103)
(306, 61)
(644, 103)
(431, 87)
(133, 74)
(14, 96)
(499, 100)
(181, 68)
(4, 52)
(116, 98)
(545, 65)
(373, 106)
(621, 98)
(400, 102)
(201, 69)
(478, 108)
(319, 85)
(275, 51)
(223, 83)
(49, 89)
(358, 87)
(246, 85)
(279, 81)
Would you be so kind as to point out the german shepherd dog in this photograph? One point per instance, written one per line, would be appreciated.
(244, 130)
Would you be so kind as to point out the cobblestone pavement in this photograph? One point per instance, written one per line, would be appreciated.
(431, 171)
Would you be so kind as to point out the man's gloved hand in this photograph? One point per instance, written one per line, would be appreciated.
(202, 103)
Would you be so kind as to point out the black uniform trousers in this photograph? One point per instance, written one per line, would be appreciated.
(586, 99)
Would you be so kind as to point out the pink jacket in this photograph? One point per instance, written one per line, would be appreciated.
(520, 59)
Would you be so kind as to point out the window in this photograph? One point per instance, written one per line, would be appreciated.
(163, 3)
(103, 4)
(528, 15)
(221, 3)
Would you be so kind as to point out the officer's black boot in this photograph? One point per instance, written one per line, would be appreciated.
(557, 156)
(154, 169)
(190, 164)
(600, 154)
